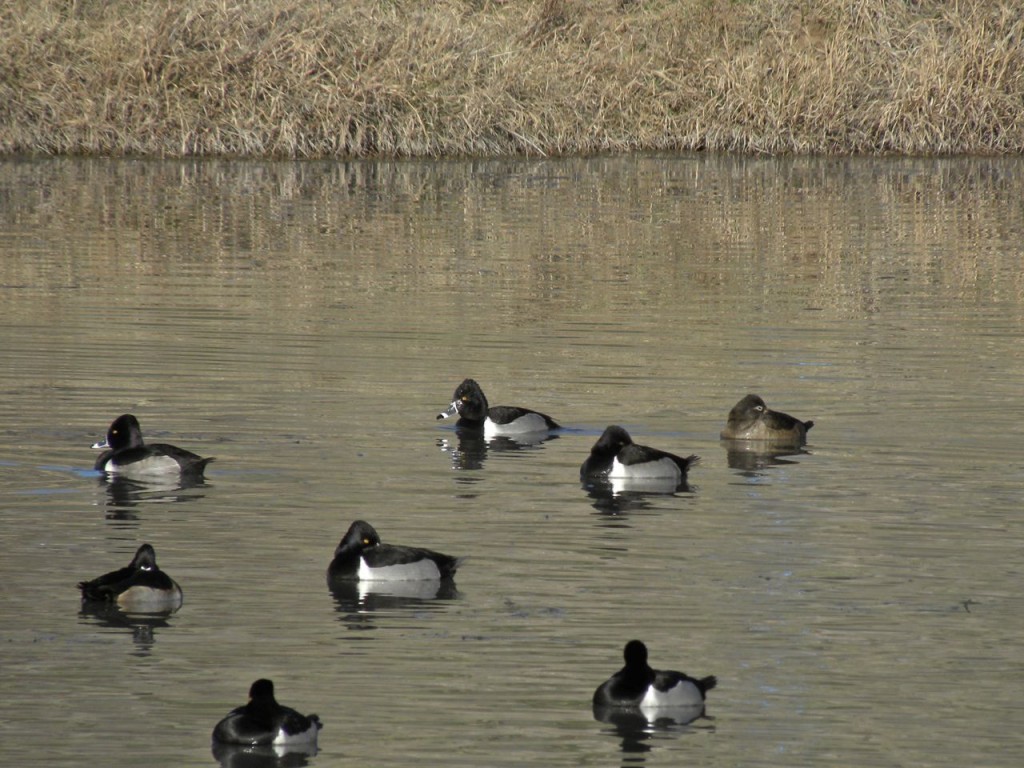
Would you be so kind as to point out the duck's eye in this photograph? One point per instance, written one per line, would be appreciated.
(366, 541)
(758, 407)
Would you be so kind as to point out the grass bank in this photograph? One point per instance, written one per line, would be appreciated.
(306, 78)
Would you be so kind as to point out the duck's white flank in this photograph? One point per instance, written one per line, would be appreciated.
(418, 571)
(682, 694)
(662, 468)
(524, 425)
(154, 465)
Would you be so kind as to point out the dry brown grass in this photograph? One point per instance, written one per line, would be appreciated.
(318, 78)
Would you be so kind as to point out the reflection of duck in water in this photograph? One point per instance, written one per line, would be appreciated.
(262, 721)
(126, 493)
(129, 456)
(652, 693)
(139, 587)
(612, 503)
(615, 457)
(609, 489)
(470, 448)
(361, 603)
(361, 556)
(470, 404)
(272, 756)
(751, 419)
(143, 626)
(751, 457)
(368, 596)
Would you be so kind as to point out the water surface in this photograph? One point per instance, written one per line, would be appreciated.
(859, 601)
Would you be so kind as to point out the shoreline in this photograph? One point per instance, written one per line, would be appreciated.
(458, 78)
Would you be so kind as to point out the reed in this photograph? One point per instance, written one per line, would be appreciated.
(311, 78)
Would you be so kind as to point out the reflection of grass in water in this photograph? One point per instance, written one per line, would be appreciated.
(292, 78)
(687, 229)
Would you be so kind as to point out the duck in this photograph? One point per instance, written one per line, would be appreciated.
(140, 586)
(637, 686)
(262, 721)
(616, 456)
(362, 557)
(470, 403)
(751, 419)
(128, 456)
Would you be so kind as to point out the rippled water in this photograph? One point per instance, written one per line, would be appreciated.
(859, 601)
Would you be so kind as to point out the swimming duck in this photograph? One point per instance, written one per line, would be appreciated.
(471, 405)
(362, 556)
(615, 455)
(636, 685)
(751, 419)
(263, 721)
(128, 456)
(138, 587)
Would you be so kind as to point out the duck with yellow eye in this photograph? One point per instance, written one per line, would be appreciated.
(474, 413)
(126, 454)
(361, 556)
